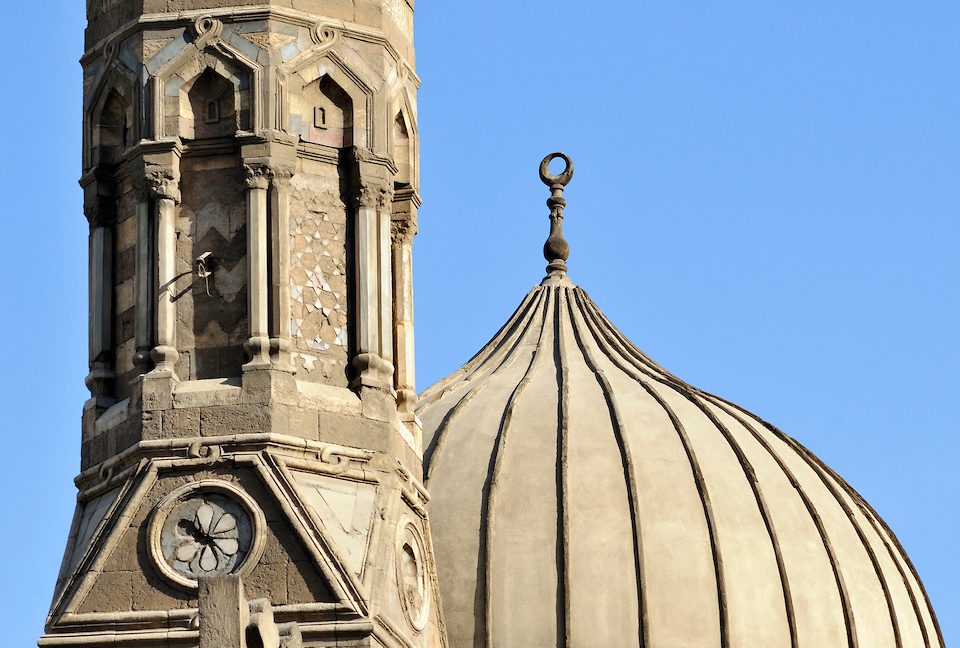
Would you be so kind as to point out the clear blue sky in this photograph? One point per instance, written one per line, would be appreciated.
(767, 201)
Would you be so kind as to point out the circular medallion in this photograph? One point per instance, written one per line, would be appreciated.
(412, 577)
(208, 528)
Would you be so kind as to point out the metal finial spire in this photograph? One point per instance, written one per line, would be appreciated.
(556, 250)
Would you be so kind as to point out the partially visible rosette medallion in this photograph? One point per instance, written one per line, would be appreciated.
(412, 577)
(207, 528)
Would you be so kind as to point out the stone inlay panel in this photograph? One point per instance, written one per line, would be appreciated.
(345, 508)
(212, 312)
(318, 280)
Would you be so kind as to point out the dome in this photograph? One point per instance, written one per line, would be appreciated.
(584, 496)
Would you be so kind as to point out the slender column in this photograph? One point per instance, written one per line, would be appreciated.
(102, 374)
(280, 342)
(385, 277)
(373, 282)
(402, 235)
(258, 308)
(144, 286)
(166, 194)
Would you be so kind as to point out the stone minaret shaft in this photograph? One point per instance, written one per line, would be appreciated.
(250, 177)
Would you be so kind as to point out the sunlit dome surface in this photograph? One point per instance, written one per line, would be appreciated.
(584, 496)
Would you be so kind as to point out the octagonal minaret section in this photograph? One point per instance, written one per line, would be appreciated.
(250, 178)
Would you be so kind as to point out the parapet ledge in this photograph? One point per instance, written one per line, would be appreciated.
(112, 417)
(207, 393)
(328, 398)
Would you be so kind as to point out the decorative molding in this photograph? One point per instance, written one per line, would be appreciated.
(205, 29)
(413, 580)
(172, 20)
(413, 492)
(324, 34)
(101, 212)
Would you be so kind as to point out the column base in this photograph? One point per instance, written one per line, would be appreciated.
(268, 384)
(156, 389)
(372, 371)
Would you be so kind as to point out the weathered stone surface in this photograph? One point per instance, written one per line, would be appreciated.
(181, 423)
(238, 174)
(113, 592)
(223, 613)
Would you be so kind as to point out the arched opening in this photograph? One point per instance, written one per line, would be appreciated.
(401, 152)
(254, 639)
(326, 114)
(111, 134)
(212, 107)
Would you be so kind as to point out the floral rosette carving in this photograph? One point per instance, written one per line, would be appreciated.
(207, 541)
(208, 528)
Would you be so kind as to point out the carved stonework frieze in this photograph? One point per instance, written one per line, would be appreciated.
(206, 528)
(281, 174)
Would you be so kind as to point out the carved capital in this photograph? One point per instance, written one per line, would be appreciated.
(402, 232)
(100, 212)
(162, 185)
(257, 176)
(373, 193)
(281, 175)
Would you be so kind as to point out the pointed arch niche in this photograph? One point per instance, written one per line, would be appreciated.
(324, 113)
(110, 129)
(212, 102)
(111, 133)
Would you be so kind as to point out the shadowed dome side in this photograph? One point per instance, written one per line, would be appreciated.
(584, 496)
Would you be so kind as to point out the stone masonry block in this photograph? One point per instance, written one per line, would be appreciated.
(181, 423)
(234, 419)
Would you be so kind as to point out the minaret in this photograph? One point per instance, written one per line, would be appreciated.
(251, 463)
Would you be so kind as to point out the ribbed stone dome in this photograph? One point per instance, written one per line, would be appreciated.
(584, 496)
